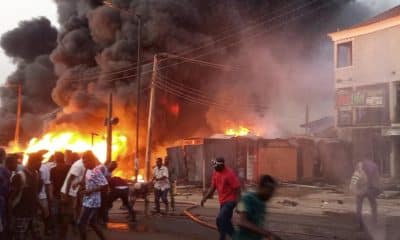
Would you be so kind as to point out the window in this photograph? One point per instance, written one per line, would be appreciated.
(344, 54)
(345, 118)
(371, 116)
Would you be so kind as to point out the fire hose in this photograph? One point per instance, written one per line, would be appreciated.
(213, 227)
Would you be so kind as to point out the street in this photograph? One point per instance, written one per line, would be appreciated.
(173, 227)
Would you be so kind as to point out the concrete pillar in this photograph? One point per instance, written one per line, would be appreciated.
(392, 102)
(393, 158)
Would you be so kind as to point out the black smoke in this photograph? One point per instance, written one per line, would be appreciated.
(281, 70)
(28, 45)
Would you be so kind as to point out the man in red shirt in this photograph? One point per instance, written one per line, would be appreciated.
(227, 184)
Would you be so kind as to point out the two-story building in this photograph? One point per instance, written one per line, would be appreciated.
(367, 84)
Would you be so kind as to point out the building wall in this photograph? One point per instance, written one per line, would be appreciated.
(375, 59)
(374, 72)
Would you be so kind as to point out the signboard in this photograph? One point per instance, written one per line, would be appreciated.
(344, 97)
(369, 97)
(361, 97)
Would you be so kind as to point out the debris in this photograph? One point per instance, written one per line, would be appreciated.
(289, 203)
(324, 203)
(340, 201)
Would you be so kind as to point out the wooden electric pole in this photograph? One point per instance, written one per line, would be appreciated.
(109, 129)
(139, 71)
(18, 120)
(307, 128)
(150, 118)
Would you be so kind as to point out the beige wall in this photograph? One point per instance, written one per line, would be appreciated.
(376, 59)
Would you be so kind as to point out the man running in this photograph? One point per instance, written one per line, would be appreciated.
(227, 184)
(252, 211)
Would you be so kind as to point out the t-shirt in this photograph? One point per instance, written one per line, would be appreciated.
(255, 210)
(58, 174)
(159, 173)
(226, 182)
(94, 178)
(78, 170)
(117, 182)
(45, 176)
(27, 206)
(5, 176)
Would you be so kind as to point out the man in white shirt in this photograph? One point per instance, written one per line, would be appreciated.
(45, 195)
(161, 185)
(69, 193)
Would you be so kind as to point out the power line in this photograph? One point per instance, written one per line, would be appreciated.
(258, 34)
(201, 98)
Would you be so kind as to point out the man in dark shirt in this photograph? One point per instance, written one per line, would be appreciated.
(119, 189)
(11, 164)
(24, 202)
(58, 175)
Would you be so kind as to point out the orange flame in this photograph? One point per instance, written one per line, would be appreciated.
(240, 131)
(77, 142)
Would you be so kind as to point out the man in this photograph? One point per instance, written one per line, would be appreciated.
(69, 195)
(365, 184)
(252, 211)
(10, 165)
(45, 195)
(141, 190)
(2, 156)
(58, 174)
(161, 185)
(172, 180)
(95, 182)
(227, 185)
(119, 188)
(24, 202)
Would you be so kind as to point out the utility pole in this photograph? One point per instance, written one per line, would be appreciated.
(150, 117)
(307, 128)
(138, 80)
(109, 129)
(93, 134)
(18, 120)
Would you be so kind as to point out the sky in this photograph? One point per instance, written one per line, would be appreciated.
(12, 12)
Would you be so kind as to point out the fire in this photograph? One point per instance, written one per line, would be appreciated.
(77, 142)
(140, 178)
(240, 131)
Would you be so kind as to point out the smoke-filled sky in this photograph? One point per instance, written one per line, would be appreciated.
(284, 70)
(12, 12)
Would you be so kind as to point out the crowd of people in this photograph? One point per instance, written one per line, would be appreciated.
(47, 197)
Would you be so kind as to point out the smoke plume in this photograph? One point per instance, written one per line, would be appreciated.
(280, 65)
(28, 45)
